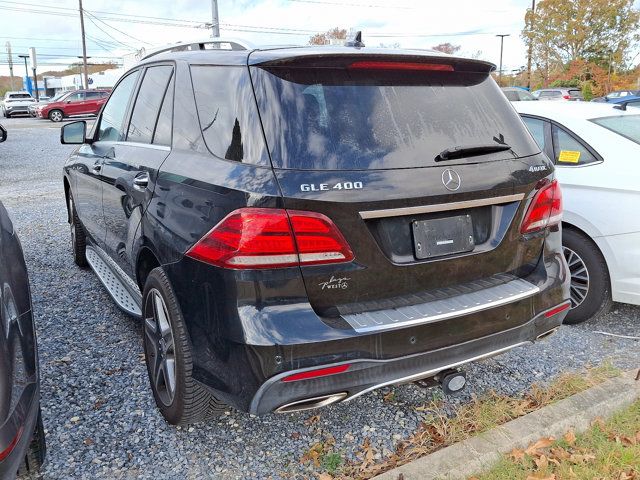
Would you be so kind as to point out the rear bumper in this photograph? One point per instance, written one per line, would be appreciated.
(246, 339)
(365, 375)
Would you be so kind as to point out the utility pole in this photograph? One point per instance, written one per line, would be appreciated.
(215, 20)
(10, 60)
(501, 46)
(530, 54)
(84, 47)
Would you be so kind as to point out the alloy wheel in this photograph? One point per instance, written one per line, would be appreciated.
(160, 347)
(579, 277)
(56, 116)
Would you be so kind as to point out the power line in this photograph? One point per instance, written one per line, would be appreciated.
(108, 34)
(114, 28)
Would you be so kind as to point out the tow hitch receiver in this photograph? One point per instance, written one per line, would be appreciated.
(451, 381)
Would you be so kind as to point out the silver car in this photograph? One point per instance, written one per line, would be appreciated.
(559, 94)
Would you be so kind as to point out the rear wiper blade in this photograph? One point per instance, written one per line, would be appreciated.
(470, 151)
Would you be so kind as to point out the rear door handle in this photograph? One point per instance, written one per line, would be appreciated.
(141, 180)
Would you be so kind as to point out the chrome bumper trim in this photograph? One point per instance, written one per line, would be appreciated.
(442, 309)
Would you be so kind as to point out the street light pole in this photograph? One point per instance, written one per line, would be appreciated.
(215, 20)
(501, 46)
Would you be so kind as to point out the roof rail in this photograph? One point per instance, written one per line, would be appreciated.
(228, 44)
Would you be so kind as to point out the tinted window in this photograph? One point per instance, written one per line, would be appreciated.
(148, 102)
(227, 112)
(536, 127)
(112, 119)
(19, 95)
(569, 151)
(333, 118)
(162, 135)
(94, 95)
(628, 126)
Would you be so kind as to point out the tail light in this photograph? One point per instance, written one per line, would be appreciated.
(272, 238)
(545, 209)
(567, 97)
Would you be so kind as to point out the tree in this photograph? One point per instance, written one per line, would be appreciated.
(326, 37)
(447, 48)
(561, 31)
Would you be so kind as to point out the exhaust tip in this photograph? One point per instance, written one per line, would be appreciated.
(310, 403)
(546, 334)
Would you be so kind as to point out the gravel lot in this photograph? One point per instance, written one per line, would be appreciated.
(98, 410)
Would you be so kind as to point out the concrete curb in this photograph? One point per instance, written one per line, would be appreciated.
(481, 452)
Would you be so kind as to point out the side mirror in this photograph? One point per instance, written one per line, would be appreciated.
(74, 133)
(3, 134)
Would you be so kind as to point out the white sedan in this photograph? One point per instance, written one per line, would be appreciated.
(596, 149)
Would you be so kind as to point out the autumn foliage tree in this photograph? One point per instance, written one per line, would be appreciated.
(596, 32)
(326, 37)
(447, 48)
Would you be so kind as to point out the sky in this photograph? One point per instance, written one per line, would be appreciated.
(117, 27)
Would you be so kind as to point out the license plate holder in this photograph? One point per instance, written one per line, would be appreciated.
(442, 236)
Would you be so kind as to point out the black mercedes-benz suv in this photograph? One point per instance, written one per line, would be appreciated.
(300, 226)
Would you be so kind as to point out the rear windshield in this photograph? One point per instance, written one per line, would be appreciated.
(336, 119)
(16, 96)
(575, 93)
(626, 125)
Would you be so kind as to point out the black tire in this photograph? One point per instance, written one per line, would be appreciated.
(56, 115)
(78, 236)
(190, 401)
(586, 263)
(35, 456)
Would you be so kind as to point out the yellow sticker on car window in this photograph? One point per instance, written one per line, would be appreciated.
(569, 156)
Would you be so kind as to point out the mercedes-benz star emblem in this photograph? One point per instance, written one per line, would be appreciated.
(451, 180)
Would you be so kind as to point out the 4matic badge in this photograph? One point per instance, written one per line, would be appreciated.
(335, 283)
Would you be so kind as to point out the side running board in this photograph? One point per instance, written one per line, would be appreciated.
(122, 289)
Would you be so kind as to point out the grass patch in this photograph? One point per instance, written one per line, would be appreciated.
(608, 450)
(481, 414)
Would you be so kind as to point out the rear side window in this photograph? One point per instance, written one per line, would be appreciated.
(551, 93)
(626, 125)
(342, 119)
(228, 114)
(76, 97)
(93, 95)
(148, 102)
(164, 127)
(569, 150)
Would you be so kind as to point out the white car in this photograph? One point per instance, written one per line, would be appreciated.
(16, 102)
(596, 149)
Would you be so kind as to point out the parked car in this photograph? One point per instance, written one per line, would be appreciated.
(615, 95)
(79, 102)
(22, 437)
(623, 102)
(303, 233)
(33, 108)
(16, 103)
(595, 147)
(515, 94)
(559, 94)
(3, 133)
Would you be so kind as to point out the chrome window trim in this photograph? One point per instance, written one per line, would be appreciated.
(441, 207)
